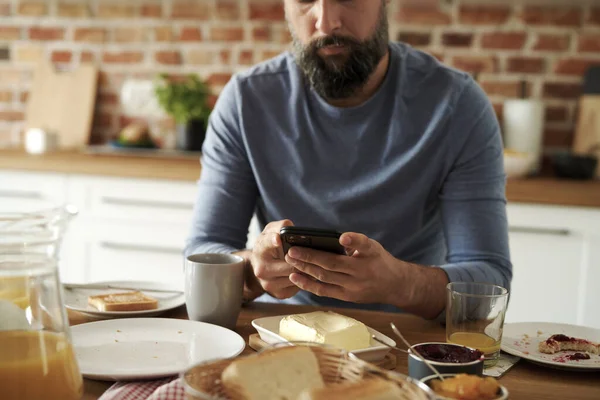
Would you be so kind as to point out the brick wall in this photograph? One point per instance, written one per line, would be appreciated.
(549, 47)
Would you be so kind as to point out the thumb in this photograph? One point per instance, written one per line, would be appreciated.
(357, 242)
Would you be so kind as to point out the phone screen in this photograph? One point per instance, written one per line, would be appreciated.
(318, 239)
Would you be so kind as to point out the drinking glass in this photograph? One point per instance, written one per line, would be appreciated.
(475, 317)
(37, 360)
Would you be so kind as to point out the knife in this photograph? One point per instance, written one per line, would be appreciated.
(70, 286)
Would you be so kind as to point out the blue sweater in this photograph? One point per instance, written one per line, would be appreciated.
(418, 167)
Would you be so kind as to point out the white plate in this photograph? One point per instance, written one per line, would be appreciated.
(268, 329)
(522, 340)
(77, 299)
(149, 348)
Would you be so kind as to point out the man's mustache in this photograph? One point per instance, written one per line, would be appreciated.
(333, 40)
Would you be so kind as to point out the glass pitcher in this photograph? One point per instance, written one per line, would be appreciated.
(37, 360)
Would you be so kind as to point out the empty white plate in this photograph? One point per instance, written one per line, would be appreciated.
(268, 329)
(149, 348)
(77, 299)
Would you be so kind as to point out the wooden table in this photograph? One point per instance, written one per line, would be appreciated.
(524, 381)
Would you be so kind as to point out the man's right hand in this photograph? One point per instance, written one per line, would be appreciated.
(269, 265)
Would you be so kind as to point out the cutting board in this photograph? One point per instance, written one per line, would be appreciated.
(587, 133)
(388, 362)
(63, 102)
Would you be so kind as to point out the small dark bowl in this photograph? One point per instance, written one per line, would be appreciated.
(573, 166)
(502, 391)
(437, 355)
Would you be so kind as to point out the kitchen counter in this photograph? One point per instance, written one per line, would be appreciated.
(544, 190)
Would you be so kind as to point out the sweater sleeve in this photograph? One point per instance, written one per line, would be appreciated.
(473, 195)
(227, 191)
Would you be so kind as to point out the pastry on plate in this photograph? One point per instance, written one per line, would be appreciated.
(560, 342)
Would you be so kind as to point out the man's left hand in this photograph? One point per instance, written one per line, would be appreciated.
(369, 274)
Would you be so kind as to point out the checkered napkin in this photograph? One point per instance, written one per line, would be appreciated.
(164, 389)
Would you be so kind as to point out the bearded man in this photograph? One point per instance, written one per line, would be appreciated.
(372, 138)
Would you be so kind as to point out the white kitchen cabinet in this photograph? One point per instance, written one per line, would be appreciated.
(554, 254)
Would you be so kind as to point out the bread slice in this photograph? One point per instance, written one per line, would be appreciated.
(125, 301)
(559, 342)
(277, 374)
(373, 389)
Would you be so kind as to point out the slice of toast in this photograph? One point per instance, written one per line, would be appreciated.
(125, 301)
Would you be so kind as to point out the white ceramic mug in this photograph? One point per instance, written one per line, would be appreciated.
(214, 284)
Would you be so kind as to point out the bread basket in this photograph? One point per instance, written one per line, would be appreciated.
(203, 381)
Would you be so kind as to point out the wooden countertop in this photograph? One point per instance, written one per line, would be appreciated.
(549, 191)
(524, 381)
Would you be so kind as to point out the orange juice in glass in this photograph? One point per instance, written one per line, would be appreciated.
(475, 317)
(37, 360)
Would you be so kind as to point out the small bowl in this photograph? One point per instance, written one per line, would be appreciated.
(502, 394)
(473, 365)
(574, 166)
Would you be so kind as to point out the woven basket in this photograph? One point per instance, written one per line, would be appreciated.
(203, 381)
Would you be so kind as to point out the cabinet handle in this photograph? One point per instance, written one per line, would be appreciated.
(539, 231)
(21, 194)
(141, 248)
(143, 203)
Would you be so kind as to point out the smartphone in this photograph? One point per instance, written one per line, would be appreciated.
(318, 239)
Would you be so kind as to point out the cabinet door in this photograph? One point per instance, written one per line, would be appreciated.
(547, 269)
(28, 191)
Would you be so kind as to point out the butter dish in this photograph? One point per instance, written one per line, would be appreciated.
(268, 329)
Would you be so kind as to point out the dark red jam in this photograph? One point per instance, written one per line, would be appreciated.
(578, 356)
(562, 338)
(448, 353)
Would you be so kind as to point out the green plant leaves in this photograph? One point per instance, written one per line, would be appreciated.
(184, 100)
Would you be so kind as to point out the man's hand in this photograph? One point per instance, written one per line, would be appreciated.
(369, 275)
(268, 265)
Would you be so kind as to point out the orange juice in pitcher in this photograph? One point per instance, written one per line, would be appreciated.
(38, 365)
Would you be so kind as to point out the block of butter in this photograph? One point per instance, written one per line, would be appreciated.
(326, 327)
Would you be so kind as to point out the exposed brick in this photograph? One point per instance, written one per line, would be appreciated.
(556, 114)
(422, 15)
(163, 34)
(483, 15)
(589, 43)
(502, 88)
(92, 35)
(268, 54)
(261, 34)
(108, 98)
(190, 34)
(499, 110)
(269, 10)
(87, 57)
(32, 8)
(437, 55)
(24, 96)
(200, 57)
(218, 79)
(4, 53)
(123, 57)
(246, 57)
(227, 34)
(228, 10)
(6, 96)
(103, 119)
(285, 37)
(10, 33)
(29, 53)
(451, 39)
(62, 56)
(198, 9)
(558, 90)
(526, 65)
(574, 66)
(11, 116)
(416, 39)
(151, 10)
(476, 64)
(73, 10)
(558, 137)
(225, 56)
(130, 35)
(116, 10)
(551, 42)
(168, 57)
(5, 10)
(504, 40)
(555, 16)
(43, 33)
(594, 17)
(10, 76)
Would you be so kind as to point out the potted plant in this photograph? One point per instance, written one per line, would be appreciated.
(186, 100)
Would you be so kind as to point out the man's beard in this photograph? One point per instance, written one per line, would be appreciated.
(339, 77)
